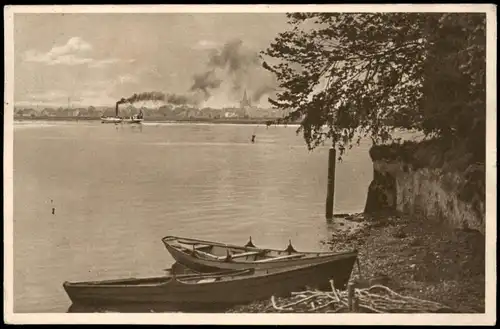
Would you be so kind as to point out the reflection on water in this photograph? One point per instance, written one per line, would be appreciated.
(118, 190)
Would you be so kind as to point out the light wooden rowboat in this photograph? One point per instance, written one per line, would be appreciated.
(207, 256)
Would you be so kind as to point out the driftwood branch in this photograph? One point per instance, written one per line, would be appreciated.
(375, 299)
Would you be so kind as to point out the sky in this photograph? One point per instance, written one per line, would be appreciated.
(96, 59)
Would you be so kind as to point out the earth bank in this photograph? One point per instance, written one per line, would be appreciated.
(422, 259)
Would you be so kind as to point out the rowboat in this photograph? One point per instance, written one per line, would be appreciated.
(208, 256)
(214, 290)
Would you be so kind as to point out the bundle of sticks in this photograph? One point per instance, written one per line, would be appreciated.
(375, 299)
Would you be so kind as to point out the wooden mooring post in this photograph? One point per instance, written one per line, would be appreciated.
(330, 193)
(355, 305)
(350, 297)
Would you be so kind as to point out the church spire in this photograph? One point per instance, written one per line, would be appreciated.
(245, 102)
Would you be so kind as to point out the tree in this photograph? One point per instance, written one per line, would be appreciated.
(91, 111)
(347, 75)
(454, 93)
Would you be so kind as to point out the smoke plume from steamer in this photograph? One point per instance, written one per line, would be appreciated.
(204, 82)
(231, 70)
(174, 99)
(148, 96)
(265, 89)
(234, 57)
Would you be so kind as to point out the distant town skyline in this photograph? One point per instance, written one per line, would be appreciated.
(96, 59)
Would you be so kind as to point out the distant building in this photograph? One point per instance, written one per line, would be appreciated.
(18, 112)
(230, 115)
(48, 112)
(128, 111)
(109, 112)
(91, 112)
(72, 112)
(191, 113)
(27, 113)
(245, 103)
(82, 112)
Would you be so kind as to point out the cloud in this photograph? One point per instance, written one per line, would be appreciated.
(75, 44)
(104, 62)
(127, 78)
(85, 97)
(74, 52)
(102, 91)
(91, 92)
(68, 54)
(45, 98)
(85, 92)
(205, 44)
(49, 95)
(95, 92)
(95, 98)
(153, 71)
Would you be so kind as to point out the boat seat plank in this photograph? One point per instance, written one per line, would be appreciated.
(279, 258)
(249, 253)
(203, 246)
(208, 254)
(195, 247)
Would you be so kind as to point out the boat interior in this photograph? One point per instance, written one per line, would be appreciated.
(155, 281)
(247, 253)
(216, 277)
(125, 282)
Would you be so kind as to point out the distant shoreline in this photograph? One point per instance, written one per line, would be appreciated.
(157, 119)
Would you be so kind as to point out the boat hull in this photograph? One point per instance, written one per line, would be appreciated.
(111, 120)
(131, 121)
(208, 265)
(240, 290)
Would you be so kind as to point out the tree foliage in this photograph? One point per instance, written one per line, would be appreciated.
(346, 75)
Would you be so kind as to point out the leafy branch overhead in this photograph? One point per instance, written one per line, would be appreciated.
(345, 75)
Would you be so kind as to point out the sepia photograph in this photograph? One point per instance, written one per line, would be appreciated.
(250, 164)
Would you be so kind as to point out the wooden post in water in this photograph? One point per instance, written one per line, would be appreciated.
(330, 193)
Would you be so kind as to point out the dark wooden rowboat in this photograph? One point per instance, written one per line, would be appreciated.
(221, 289)
(208, 256)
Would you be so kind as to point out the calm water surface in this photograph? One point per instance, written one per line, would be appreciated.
(118, 190)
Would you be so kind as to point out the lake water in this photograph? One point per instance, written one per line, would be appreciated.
(118, 190)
